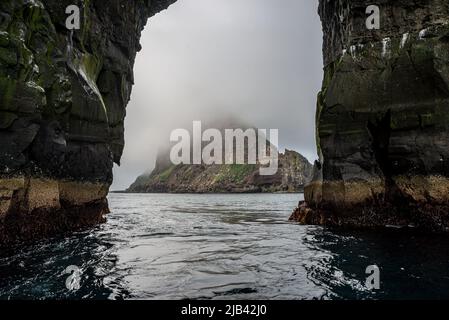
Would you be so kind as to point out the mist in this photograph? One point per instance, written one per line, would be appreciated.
(254, 60)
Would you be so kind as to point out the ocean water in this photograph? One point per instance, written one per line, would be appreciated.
(223, 247)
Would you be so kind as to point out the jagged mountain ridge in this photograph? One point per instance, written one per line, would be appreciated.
(293, 173)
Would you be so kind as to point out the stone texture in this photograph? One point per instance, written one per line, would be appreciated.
(62, 104)
(42, 193)
(382, 119)
(80, 193)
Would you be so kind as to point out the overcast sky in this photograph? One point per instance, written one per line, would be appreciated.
(258, 60)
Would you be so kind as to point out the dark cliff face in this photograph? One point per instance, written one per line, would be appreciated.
(62, 104)
(382, 116)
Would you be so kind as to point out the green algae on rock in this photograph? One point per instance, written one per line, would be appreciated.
(62, 104)
(382, 118)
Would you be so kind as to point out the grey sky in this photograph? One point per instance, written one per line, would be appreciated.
(258, 60)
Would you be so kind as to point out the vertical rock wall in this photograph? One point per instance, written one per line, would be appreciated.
(383, 117)
(62, 104)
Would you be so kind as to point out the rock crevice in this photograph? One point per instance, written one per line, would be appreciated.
(62, 105)
(382, 119)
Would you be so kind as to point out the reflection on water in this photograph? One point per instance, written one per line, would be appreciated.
(223, 247)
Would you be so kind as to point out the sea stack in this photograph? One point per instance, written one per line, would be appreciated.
(382, 117)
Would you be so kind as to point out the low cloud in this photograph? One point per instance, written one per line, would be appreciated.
(255, 60)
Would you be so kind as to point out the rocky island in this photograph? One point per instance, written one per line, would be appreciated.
(293, 173)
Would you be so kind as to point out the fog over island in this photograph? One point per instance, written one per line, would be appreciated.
(370, 221)
(205, 59)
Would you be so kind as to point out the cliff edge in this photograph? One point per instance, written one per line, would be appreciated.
(382, 117)
(62, 104)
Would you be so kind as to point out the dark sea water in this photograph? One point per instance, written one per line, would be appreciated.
(223, 247)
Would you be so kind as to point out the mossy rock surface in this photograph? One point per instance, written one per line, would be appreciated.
(382, 112)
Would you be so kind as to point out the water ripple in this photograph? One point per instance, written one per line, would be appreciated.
(223, 247)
